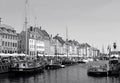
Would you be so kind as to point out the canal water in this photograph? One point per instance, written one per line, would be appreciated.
(71, 74)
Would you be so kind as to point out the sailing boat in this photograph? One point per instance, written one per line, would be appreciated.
(67, 60)
(27, 65)
(55, 62)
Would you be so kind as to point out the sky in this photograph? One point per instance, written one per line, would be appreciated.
(96, 22)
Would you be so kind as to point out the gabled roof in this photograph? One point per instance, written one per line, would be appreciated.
(84, 45)
(6, 26)
(94, 48)
(45, 33)
(73, 42)
(7, 29)
(70, 41)
(37, 31)
(59, 39)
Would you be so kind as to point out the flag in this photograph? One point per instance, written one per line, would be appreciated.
(109, 48)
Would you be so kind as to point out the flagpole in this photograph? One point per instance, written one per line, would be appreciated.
(67, 39)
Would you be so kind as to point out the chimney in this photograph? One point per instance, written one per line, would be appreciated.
(51, 35)
(31, 28)
(40, 27)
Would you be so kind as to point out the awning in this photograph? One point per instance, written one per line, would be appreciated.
(114, 55)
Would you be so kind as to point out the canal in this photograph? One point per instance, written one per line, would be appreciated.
(71, 74)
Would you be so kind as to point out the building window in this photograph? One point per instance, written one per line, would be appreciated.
(12, 37)
(8, 43)
(31, 46)
(13, 44)
(2, 43)
(5, 51)
(3, 36)
(2, 51)
(5, 43)
(6, 36)
(16, 38)
(30, 35)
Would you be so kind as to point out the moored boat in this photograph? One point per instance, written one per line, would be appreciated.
(54, 65)
(26, 67)
(83, 61)
(97, 70)
(114, 61)
(4, 67)
(114, 67)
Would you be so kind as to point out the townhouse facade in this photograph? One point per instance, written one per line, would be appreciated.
(40, 42)
(8, 39)
(59, 45)
(46, 40)
(35, 41)
(73, 47)
(85, 50)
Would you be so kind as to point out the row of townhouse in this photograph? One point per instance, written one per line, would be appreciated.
(62, 47)
(85, 50)
(38, 41)
(73, 47)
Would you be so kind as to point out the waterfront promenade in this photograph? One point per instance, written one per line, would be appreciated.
(71, 74)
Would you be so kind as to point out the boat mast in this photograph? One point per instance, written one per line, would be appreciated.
(35, 27)
(26, 23)
(56, 51)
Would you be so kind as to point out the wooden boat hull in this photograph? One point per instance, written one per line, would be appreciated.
(113, 73)
(81, 62)
(25, 71)
(68, 63)
(53, 66)
(97, 73)
(4, 68)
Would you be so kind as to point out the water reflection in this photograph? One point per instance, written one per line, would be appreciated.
(72, 74)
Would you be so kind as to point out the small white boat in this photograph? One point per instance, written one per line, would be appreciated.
(62, 66)
(85, 60)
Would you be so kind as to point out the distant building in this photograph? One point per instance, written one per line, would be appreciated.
(52, 45)
(46, 39)
(35, 41)
(85, 50)
(59, 45)
(94, 52)
(8, 39)
(73, 47)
